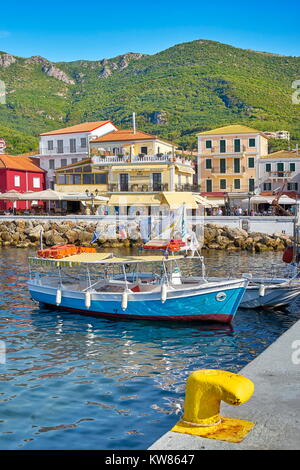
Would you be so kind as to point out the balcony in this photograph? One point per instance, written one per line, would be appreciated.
(139, 159)
(228, 171)
(137, 188)
(193, 188)
(279, 174)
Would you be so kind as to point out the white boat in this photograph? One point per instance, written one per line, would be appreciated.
(268, 292)
(134, 287)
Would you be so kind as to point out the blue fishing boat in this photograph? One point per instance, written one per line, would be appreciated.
(132, 287)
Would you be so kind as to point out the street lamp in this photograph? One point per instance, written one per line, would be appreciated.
(250, 195)
(92, 196)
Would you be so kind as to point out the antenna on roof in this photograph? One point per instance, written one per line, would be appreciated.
(133, 123)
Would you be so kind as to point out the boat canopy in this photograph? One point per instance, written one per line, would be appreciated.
(102, 258)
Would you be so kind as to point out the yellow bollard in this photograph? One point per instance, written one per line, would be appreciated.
(205, 389)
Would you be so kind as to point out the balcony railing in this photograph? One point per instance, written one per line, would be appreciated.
(139, 159)
(137, 188)
(228, 171)
(279, 174)
(194, 188)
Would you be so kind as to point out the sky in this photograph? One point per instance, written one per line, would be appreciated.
(72, 30)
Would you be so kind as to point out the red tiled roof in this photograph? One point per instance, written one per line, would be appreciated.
(84, 127)
(18, 163)
(126, 135)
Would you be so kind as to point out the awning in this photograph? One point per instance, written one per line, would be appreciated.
(185, 169)
(205, 202)
(175, 200)
(134, 200)
(269, 199)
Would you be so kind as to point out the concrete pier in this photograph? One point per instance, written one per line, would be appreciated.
(274, 406)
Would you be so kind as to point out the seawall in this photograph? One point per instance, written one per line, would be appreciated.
(274, 406)
(27, 232)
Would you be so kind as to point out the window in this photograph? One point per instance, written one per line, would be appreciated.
(72, 145)
(280, 170)
(74, 160)
(88, 178)
(63, 162)
(83, 142)
(222, 146)
(252, 143)
(60, 146)
(292, 166)
(144, 150)
(267, 186)
(237, 184)
(236, 165)
(208, 144)
(222, 165)
(251, 162)
(208, 186)
(63, 179)
(50, 144)
(268, 166)
(208, 163)
(237, 145)
(251, 184)
(100, 178)
(75, 179)
(51, 165)
(17, 180)
(36, 182)
(292, 186)
(222, 184)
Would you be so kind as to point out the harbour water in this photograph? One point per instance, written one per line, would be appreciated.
(77, 382)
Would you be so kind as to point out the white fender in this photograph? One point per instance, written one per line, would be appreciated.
(124, 300)
(176, 277)
(164, 291)
(58, 297)
(87, 299)
(262, 290)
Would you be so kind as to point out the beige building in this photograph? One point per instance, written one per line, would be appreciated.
(130, 143)
(280, 171)
(228, 160)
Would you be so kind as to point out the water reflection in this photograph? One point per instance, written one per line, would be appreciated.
(72, 381)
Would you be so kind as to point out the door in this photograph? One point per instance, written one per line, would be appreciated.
(156, 181)
(124, 181)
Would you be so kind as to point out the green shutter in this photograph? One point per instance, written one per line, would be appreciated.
(222, 146)
(237, 145)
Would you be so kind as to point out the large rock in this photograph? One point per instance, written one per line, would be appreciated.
(72, 236)
(35, 233)
(233, 233)
(52, 237)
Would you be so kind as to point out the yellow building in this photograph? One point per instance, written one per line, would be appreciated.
(228, 160)
(129, 142)
(143, 181)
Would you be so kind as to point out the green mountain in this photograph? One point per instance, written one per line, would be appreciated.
(175, 93)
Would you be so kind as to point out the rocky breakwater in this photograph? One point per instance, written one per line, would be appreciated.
(233, 239)
(22, 233)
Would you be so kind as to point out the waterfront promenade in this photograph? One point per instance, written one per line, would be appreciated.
(274, 406)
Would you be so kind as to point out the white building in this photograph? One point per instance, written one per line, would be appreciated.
(69, 145)
(279, 171)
